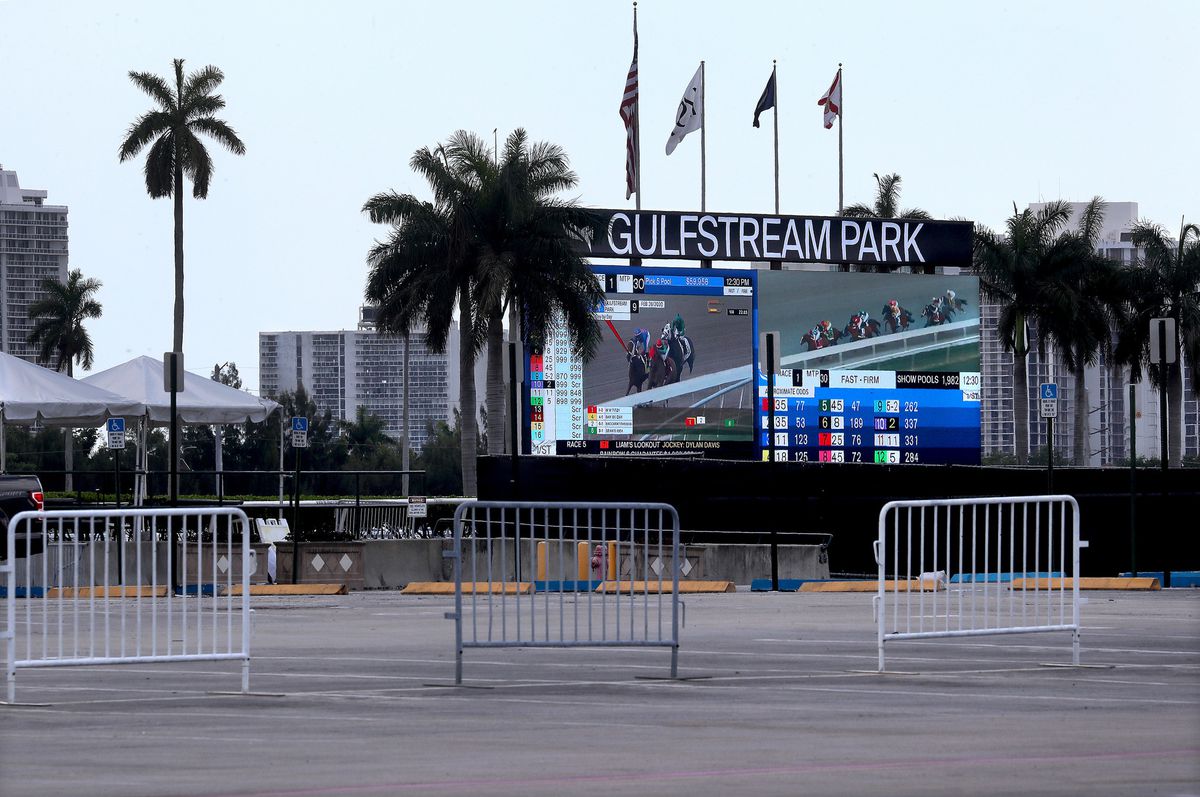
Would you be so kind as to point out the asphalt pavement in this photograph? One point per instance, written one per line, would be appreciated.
(777, 694)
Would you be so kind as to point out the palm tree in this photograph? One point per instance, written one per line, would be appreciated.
(1083, 300)
(59, 331)
(1012, 271)
(1165, 284)
(887, 205)
(495, 235)
(420, 276)
(181, 114)
(526, 251)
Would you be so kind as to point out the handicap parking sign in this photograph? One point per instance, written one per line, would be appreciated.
(115, 428)
(300, 432)
(1049, 403)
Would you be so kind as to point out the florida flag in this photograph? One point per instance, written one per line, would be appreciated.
(832, 100)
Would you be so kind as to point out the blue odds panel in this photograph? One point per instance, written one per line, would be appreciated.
(904, 426)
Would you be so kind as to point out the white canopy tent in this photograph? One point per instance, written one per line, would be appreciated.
(31, 394)
(202, 401)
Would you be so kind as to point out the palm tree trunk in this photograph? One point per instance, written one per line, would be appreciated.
(1021, 407)
(1082, 412)
(495, 384)
(466, 381)
(177, 343)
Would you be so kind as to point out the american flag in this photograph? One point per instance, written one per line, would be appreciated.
(629, 113)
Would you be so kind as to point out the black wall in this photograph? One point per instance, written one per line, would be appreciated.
(755, 497)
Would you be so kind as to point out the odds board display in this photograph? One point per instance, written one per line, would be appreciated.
(873, 368)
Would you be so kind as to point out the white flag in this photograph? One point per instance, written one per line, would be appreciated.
(691, 110)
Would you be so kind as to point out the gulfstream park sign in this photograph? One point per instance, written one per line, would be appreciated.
(794, 239)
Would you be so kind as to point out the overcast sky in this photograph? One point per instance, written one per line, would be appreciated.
(975, 105)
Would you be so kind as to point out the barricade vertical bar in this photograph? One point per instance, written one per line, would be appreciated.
(1075, 577)
(458, 605)
(1062, 561)
(908, 576)
(139, 530)
(961, 572)
(488, 533)
(676, 552)
(9, 569)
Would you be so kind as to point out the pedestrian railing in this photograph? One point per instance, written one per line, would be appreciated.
(128, 586)
(978, 566)
(565, 575)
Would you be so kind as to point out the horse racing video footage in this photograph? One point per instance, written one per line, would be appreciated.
(879, 368)
(672, 375)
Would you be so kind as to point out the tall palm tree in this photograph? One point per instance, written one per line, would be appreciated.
(1083, 299)
(1165, 284)
(182, 113)
(1011, 269)
(420, 275)
(887, 206)
(526, 251)
(59, 332)
(495, 234)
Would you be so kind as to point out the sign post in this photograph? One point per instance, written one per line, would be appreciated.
(115, 427)
(1163, 348)
(299, 441)
(1048, 391)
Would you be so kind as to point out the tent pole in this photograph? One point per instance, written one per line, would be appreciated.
(3, 445)
(281, 465)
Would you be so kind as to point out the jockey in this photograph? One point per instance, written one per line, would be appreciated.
(639, 344)
(677, 325)
(827, 331)
(663, 349)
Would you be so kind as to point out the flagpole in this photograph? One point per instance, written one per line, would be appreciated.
(702, 134)
(841, 115)
(775, 83)
(637, 132)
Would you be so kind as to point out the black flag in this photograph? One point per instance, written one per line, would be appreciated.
(767, 100)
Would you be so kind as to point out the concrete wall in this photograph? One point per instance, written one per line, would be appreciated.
(390, 564)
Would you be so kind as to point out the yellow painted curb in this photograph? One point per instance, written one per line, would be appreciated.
(1128, 583)
(911, 585)
(291, 589)
(108, 592)
(468, 587)
(685, 587)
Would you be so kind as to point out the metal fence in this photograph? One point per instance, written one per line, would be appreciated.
(978, 566)
(565, 575)
(127, 586)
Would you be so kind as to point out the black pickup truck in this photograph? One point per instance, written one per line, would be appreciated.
(20, 494)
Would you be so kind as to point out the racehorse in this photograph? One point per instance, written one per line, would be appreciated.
(663, 371)
(856, 330)
(821, 340)
(638, 371)
(933, 313)
(897, 322)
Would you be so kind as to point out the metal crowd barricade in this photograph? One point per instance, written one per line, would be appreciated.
(978, 566)
(628, 596)
(128, 586)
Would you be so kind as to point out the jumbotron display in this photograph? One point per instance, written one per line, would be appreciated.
(672, 375)
(874, 368)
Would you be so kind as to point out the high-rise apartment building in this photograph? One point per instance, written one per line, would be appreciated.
(343, 370)
(33, 248)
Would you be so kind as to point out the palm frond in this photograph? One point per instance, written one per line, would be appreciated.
(142, 132)
(220, 132)
(197, 164)
(156, 88)
(159, 168)
(201, 83)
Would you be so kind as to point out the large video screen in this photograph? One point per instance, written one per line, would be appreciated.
(880, 368)
(873, 368)
(673, 373)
